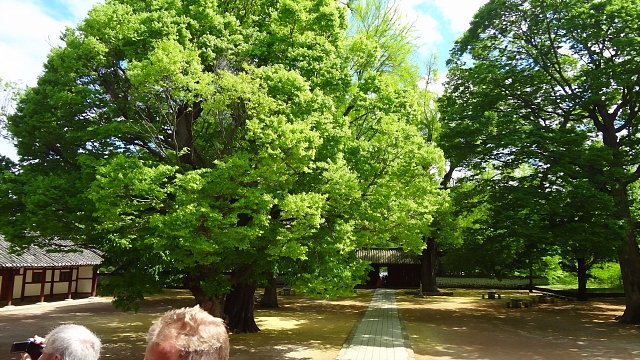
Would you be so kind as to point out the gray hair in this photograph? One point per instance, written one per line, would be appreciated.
(73, 342)
(196, 334)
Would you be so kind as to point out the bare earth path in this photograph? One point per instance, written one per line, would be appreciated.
(460, 327)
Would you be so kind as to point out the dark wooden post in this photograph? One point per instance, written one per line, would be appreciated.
(10, 282)
(23, 272)
(42, 282)
(69, 284)
(52, 281)
(94, 283)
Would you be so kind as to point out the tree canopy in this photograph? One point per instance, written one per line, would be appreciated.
(215, 144)
(555, 86)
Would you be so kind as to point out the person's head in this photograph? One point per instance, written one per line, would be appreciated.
(71, 342)
(187, 334)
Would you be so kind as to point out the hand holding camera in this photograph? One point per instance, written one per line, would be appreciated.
(33, 347)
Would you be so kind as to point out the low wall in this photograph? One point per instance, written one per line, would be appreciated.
(477, 282)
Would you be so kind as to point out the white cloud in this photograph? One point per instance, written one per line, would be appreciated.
(441, 27)
(425, 27)
(27, 34)
(79, 8)
(458, 13)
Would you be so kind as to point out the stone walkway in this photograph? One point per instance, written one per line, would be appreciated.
(380, 334)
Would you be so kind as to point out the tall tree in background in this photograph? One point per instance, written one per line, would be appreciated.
(444, 229)
(216, 145)
(386, 77)
(556, 85)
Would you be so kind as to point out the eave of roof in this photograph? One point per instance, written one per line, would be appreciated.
(63, 253)
(387, 256)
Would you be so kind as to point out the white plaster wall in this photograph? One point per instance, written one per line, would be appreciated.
(61, 288)
(85, 271)
(32, 290)
(84, 285)
(17, 286)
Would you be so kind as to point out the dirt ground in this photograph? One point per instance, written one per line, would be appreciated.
(463, 326)
(300, 329)
(466, 326)
(122, 334)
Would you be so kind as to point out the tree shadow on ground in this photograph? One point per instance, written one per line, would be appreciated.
(122, 333)
(468, 327)
(301, 328)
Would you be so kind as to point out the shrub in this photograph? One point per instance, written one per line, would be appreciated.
(606, 275)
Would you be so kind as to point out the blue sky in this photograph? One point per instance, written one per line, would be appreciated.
(29, 28)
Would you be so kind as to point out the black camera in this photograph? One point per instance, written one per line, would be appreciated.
(30, 347)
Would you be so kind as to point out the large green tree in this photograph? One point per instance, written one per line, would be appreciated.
(384, 68)
(217, 144)
(555, 85)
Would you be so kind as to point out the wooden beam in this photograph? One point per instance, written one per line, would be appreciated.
(42, 283)
(11, 274)
(69, 283)
(94, 283)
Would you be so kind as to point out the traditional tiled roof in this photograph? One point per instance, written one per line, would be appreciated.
(387, 256)
(59, 254)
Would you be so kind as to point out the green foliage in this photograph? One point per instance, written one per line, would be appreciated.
(634, 195)
(603, 275)
(554, 273)
(544, 95)
(606, 275)
(222, 143)
(380, 42)
(333, 278)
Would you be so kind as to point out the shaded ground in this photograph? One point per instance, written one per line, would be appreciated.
(468, 327)
(300, 329)
(460, 327)
(122, 334)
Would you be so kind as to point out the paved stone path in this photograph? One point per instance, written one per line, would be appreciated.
(380, 334)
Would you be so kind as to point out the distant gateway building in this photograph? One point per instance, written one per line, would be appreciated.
(392, 267)
(47, 274)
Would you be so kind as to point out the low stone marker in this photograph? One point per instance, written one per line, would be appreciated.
(492, 295)
(518, 303)
(287, 291)
(545, 299)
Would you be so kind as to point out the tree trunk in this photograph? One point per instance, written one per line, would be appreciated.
(270, 296)
(530, 276)
(428, 267)
(629, 256)
(582, 279)
(239, 306)
(628, 251)
(213, 306)
(183, 132)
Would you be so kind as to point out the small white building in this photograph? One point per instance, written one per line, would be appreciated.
(59, 272)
